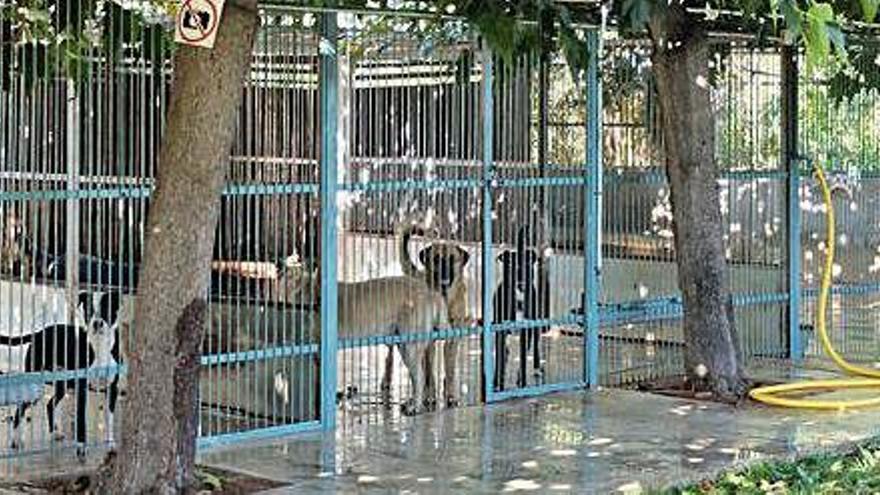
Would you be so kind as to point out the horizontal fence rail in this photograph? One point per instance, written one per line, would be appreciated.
(412, 223)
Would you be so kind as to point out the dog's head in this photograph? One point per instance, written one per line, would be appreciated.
(444, 264)
(519, 266)
(296, 282)
(13, 228)
(100, 310)
(14, 251)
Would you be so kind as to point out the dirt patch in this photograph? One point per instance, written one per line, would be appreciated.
(212, 481)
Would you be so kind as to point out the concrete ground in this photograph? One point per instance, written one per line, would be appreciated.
(610, 441)
(602, 442)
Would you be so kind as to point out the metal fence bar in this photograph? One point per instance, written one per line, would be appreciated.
(329, 83)
(592, 217)
(793, 209)
(488, 260)
(793, 213)
(224, 439)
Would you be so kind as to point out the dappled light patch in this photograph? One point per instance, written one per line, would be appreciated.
(600, 441)
(682, 410)
(524, 485)
(630, 488)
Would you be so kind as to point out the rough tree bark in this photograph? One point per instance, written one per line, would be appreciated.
(681, 69)
(157, 444)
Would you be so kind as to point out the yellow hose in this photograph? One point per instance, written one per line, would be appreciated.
(870, 377)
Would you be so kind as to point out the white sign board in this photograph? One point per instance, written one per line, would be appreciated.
(197, 22)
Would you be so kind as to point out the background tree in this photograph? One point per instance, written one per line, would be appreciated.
(156, 449)
(157, 444)
(679, 34)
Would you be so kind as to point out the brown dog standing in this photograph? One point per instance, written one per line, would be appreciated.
(444, 264)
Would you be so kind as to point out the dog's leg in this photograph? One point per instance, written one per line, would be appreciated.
(82, 390)
(430, 372)
(16, 423)
(524, 339)
(537, 366)
(500, 359)
(413, 355)
(387, 375)
(60, 391)
(450, 383)
(113, 397)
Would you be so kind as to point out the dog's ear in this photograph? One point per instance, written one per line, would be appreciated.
(425, 255)
(84, 301)
(505, 257)
(280, 267)
(531, 256)
(110, 305)
(463, 255)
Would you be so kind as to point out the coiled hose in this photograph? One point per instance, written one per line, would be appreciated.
(870, 378)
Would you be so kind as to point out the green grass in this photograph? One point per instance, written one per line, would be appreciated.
(856, 472)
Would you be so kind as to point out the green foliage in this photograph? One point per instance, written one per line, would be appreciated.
(821, 32)
(501, 24)
(869, 9)
(855, 472)
(635, 14)
(61, 38)
(819, 25)
(862, 74)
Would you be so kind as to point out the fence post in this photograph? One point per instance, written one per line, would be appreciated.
(71, 254)
(593, 211)
(791, 162)
(488, 260)
(328, 90)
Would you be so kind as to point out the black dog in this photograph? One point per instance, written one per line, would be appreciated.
(517, 299)
(67, 347)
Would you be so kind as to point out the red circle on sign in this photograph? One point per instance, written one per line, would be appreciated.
(202, 34)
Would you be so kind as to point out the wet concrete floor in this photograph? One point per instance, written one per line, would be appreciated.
(601, 442)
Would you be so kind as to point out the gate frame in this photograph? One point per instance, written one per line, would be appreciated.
(328, 89)
(592, 188)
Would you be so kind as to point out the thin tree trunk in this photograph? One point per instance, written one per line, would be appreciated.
(681, 66)
(157, 444)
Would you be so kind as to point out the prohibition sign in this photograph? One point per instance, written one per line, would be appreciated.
(202, 15)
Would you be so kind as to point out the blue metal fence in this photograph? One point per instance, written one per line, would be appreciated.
(352, 126)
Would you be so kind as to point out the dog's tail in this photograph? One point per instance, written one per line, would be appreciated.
(409, 268)
(17, 340)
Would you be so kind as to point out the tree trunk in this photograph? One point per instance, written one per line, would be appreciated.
(157, 444)
(681, 65)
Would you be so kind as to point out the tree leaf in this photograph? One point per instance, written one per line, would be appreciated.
(838, 40)
(821, 30)
(774, 10)
(869, 9)
(793, 17)
(636, 14)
